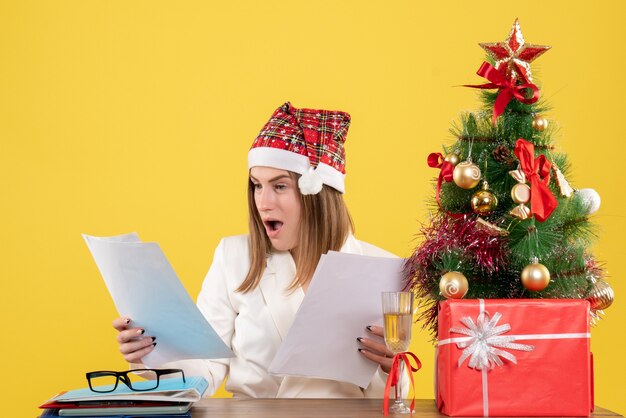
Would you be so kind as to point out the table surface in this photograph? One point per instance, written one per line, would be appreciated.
(315, 408)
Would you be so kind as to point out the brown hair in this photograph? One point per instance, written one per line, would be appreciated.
(324, 226)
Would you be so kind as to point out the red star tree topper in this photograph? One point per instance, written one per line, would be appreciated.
(513, 56)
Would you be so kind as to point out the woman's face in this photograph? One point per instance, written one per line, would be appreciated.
(277, 199)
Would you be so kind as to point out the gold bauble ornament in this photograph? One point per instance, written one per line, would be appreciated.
(484, 201)
(601, 296)
(539, 123)
(535, 276)
(466, 175)
(453, 285)
(453, 158)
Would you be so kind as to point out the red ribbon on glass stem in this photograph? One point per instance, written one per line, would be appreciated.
(537, 171)
(508, 89)
(394, 375)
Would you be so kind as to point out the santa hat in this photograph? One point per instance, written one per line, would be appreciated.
(306, 141)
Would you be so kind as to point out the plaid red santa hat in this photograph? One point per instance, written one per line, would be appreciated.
(306, 141)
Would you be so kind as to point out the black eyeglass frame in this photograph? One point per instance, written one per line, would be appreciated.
(123, 376)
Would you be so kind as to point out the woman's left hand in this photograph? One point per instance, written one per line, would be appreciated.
(376, 351)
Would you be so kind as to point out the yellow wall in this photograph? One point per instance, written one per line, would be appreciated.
(120, 116)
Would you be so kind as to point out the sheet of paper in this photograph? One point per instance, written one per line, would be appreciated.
(343, 298)
(144, 287)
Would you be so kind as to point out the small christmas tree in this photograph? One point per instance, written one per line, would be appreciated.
(505, 222)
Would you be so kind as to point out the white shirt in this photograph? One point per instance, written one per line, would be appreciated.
(254, 324)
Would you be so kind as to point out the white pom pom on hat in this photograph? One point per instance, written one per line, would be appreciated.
(310, 182)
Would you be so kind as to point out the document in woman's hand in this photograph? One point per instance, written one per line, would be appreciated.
(343, 297)
(145, 288)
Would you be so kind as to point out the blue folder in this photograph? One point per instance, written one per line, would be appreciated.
(49, 413)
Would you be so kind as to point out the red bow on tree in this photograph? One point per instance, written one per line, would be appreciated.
(508, 89)
(537, 171)
(436, 160)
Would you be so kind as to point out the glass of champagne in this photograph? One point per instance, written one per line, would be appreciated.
(398, 313)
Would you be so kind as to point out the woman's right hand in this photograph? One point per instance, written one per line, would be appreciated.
(134, 343)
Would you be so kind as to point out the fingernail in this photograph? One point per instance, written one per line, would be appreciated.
(369, 327)
(359, 339)
(153, 344)
(141, 331)
(359, 349)
(153, 338)
(127, 321)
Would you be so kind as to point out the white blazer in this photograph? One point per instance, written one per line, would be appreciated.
(254, 324)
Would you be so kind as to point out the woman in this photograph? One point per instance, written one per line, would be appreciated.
(257, 282)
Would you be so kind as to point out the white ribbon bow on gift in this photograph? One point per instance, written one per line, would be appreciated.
(485, 343)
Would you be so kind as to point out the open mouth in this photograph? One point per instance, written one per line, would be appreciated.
(273, 225)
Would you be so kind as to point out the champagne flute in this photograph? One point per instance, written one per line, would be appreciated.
(398, 313)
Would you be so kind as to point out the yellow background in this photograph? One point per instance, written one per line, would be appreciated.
(119, 116)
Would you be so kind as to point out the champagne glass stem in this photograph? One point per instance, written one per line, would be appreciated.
(399, 384)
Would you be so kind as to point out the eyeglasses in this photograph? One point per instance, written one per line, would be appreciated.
(105, 381)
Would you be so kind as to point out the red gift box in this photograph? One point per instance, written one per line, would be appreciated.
(528, 357)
